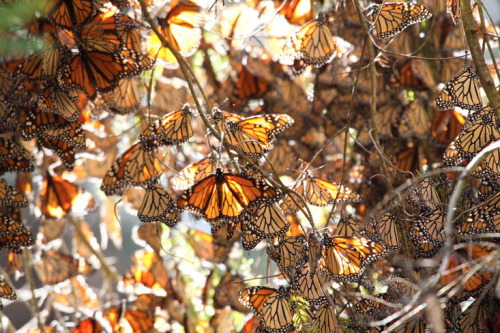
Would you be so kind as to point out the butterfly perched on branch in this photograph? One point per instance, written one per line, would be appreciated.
(392, 18)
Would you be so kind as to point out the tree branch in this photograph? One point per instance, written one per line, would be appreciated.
(483, 73)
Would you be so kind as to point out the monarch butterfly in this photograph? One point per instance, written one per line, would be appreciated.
(282, 157)
(181, 28)
(385, 122)
(221, 117)
(409, 76)
(157, 206)
(297, 11)
(314, 252)
(346, 257)
(226, 293)
(6, 291)
(347, 227)
(453, 8)
(43, 64)
(13, 157)
(270, 305)
(289, 253)
(149, 270)
(135, 167)
(236, 23)
(10, 197)
(480, 316)
(320, 192)
(148, 234)
(324, 320)
(94, 71)
(383, 229)
(461, 91)
(374, 309)
(480, 130)
(55, 133)
(129, 31)
(313, 44)
(424, 195)
(125, 98)
(174, 128)
(409, 159)
(392, 18)
(9, 226)
(268, 220)
(487, 186)
(69, 14)
(249, 85)
(56, 99)
(64, 149)
(253, 135)
(193, 173)
(403, 287)
(89, 325)
(427, 233)
(446, 126)
(415, 121)
(55, 267)
(454, 40)
(39, 121)
(311, 285)
(490, 166)
(59, 196)
(224, 196)
(128, 320)
(100, 63)
(483, 219)
(205, 247)
(15, 235)
(461, 262)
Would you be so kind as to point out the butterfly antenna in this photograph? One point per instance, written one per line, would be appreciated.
(115, 208)
(158, 234)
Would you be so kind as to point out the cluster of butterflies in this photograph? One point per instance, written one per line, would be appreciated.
(93, 52)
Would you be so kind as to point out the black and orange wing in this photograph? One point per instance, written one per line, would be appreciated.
(173, 129)
(461, 91)
(320, 192)
(346, 257)
(10, 197)
(135, 167)
(158, 206)
(14, 157)
(69, 14)
(392, 18)
(193, 173)
(224, 196)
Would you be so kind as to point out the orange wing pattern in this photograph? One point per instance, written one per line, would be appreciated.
(224, 196)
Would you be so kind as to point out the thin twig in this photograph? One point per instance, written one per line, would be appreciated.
(483, 73)
(107, 269)
(29, 277)
(347, 127)
(486, 36)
